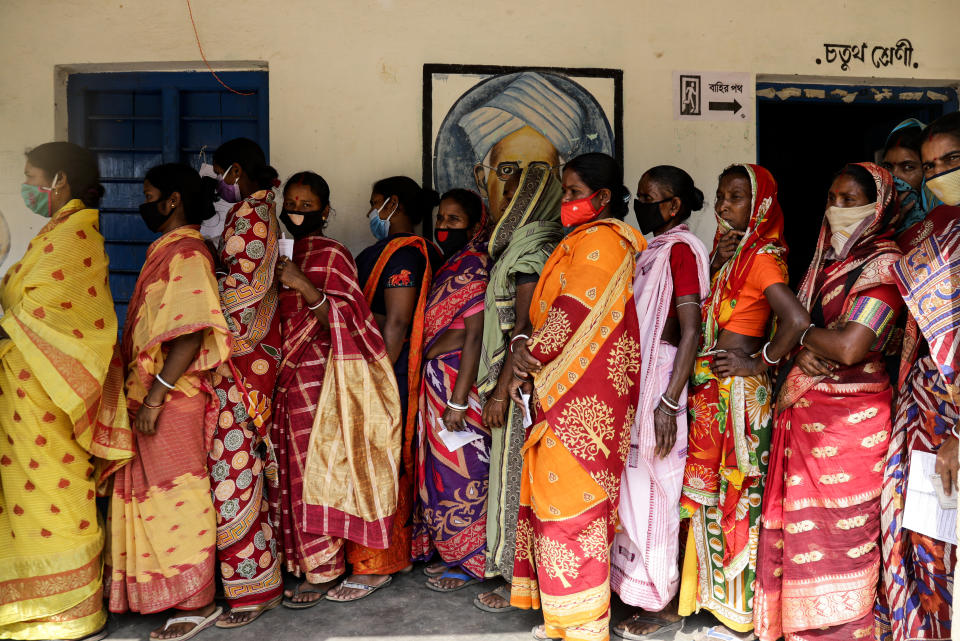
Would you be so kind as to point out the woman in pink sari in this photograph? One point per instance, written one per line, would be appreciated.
(671, 280)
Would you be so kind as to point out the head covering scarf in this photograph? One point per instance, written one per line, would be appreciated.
(520, 243)
(923, 201)
(764, 235)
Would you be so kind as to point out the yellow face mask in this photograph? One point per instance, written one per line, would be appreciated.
(946, 186)
(844, 222)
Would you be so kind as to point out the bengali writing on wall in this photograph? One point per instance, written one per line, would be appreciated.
(881, 56)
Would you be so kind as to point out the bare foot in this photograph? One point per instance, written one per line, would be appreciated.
(179, 629)
(643, 622)
(341, 593)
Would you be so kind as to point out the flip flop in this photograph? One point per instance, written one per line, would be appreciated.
(720, 633)
(504, 593)
(368, 590)
(199, 625)
(453, 574)
(427, 573)
(664, 627)
(256, 609)
(288, 602)
(540, 634)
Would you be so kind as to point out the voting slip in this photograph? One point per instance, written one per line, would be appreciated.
(922, 512)
(527, 419)
(453, 441)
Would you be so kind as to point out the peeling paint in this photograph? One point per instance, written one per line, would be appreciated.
(768, 93)
(936, 95)
(815, 93)
(910, 95)
(788, 92)
(850, 97)
(845, 96)
(881, 94)
(839, 92)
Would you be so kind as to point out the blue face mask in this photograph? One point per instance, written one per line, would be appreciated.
(380, 227)
(909, 203)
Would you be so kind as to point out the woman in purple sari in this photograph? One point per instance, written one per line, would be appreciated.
(453, 446)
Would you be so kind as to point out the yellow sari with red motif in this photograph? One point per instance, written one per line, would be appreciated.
(61, 429)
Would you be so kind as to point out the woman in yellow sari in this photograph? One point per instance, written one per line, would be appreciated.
(60, 428)
(584, 361)
(163, 525)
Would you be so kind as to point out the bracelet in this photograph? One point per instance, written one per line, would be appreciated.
(767, 359)
(515, 339)
(160, 380)
(499, 400)
(804, 334)
(669, 402)
(153, 407)
(318, 305)
(455, 406)
(689, 302)
(676, 412)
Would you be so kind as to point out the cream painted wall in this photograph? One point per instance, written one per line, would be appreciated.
(345, 75)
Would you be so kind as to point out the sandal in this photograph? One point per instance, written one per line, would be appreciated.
(722, 633)
(199, 625)
(540, 633)
(503, 592)
(434, 573)
(305, 588)
(368, 590)
(453, 574)
(664, 626)
(256, 609)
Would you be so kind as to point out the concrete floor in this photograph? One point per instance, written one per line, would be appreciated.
(404, 611)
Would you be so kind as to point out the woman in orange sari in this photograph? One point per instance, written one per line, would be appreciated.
(395, 273)
(819, 551)
(730, 401)
(62, 422)
(584, 362)
(162, 546)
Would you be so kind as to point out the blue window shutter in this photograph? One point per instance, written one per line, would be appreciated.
(134, 121)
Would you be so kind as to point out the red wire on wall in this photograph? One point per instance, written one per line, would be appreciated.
(202, 55)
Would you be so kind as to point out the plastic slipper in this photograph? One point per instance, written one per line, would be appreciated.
(453, 574)
(199, 624)
(322, 590)
(432, 575)
(368, 590)
(256, 609)
(540, 633)
(664, 627)
(503, 592)
(719, 633)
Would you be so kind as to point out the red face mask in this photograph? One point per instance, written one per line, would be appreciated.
(579, 211)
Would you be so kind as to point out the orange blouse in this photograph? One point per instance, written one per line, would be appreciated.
(748, 312)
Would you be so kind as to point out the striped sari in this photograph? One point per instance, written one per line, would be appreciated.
(918, 569)
(163, 528)
(451, 486)
(62, 428)
(587, 337)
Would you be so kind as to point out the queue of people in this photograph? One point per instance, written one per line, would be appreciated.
(541, 393)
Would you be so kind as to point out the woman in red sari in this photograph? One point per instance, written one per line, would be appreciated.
(162, 526)
(819, 552)
(337, 452)
(251, 576)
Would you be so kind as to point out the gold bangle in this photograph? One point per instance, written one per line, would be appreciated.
(153, 407)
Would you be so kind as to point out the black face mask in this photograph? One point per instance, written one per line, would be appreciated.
(150, 212)
(451, 240)
(649, 217)
(312, 222)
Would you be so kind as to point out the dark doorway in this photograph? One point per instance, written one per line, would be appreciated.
(803, 141)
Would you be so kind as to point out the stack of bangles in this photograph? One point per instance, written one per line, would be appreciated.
(673, 407)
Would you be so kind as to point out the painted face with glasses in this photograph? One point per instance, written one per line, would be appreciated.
(497, 178)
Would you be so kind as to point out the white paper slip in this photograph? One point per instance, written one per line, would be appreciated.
(286, 247)
(527, 419)
(922, 512)
(453, 441)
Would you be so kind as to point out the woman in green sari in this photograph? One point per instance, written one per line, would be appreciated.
(522, 240)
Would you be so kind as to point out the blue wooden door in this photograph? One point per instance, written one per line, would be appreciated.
(134, 121)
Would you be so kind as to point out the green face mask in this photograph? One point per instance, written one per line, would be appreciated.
(37, 199)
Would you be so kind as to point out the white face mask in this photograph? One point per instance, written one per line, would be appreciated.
(844, 222)
(946, 186)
